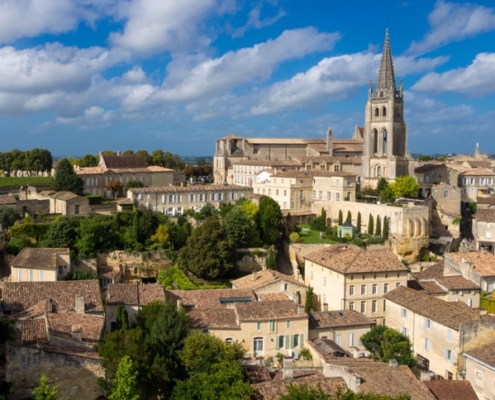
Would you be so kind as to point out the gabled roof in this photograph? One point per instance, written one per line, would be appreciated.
(134, 294)
(484, 354)
(264, 278)
(435, 275)
(485, 215)
(451, 390)
(339, 318)
(215, 298)
(477, 172)
(8, 200)
(272, 390)
(268, 310)
(64, 196)
(39, 257)
(483, 262)
(124, 161)
(431, 307)
(349, 260)
(212, 318)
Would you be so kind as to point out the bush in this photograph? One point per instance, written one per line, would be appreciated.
(317, 225)
(93, 199)
(358, 241)
(306, 354)
(294, 237)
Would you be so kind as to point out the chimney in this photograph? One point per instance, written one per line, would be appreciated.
(393, 363)
(300, 309)
(425, 376)
(77, 332)
(253, 276)
(274, 276)
(325, 307)
(288, 371)
(79, 307)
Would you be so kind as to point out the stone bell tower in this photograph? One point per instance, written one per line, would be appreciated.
(385, 132)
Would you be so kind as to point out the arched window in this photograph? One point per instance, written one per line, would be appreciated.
(378, 171)
(384, 140)
(377, 112)
(375, 140)
(384, 111)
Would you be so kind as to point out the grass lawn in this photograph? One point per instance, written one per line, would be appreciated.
(313, 236)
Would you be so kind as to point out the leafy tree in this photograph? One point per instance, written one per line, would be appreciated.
(8, 216)
(358, 223)
(209, 252)
(341, 218)
(79, 275)
(381, 186)
(349, 217)
(115, 186)
(94, 234)
(308, 304)
(128, 153)
(66, 179)
(385, 228)
(6, 330)
(269, 217)
(271, 259)
(225, 209)
(405, 186)
(125, 381)
(370, 225)
(162, 235)
(147, 158)
(122, 320)
(61, 232)
(133, 183)
(378, 229)
(240, 228)
(16, 244)
(44, 391)
(250, 209)
(89, 160)
(425, 158)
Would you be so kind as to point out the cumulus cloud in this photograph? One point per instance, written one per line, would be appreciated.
(154, 26)
(452, 22)
(254, 20)
(214, 76)
(475, 80)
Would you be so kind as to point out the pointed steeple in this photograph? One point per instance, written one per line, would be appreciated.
(386, 77)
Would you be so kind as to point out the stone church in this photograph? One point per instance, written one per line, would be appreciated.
(380, 146)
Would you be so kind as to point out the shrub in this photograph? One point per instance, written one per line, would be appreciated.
(358, 241)
(306, 354)
(93, 199)
(294, 237)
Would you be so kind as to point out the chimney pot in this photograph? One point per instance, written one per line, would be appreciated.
(79, 306)
(325, 307)
(253, 276)
(393, 363)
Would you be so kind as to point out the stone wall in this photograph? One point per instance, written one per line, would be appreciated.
(74, 376)
(252, 259)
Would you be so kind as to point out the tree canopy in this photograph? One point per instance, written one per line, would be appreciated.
(8, 216)
(240, 228)
(66, 179)
(269, 217)
(405, 186)
(31, 160)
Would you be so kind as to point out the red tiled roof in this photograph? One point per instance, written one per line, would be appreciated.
(263, 278)
(329, 319)
(268, 310)
(451, 390)
(38, 257)
(134, 294)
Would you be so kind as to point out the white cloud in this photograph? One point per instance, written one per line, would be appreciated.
(254, 20)
(135, 75)
(215, 76)
(477, 79)
(154, 26)
(453, 22)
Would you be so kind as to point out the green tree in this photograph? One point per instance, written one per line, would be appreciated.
(308, 304)
(162, 235)
(8, 216)
(381, 185)
(209, 252)
(358, 223)
(95, 234)
(250, 208)
(81, 275)
(89, 160)
(65, 178)
(133, 183)
(385, 228)
(125, 381)
(240, 228)
(147, 158)
(61, 232)
(378, 229)
(349, 217)
(405, 186)
(122, 318)
(271, 259)
(6, 330)
(269, 217)
(370, 225)
(44, 391)
(115, 186)
(16, 244)
(341, 218)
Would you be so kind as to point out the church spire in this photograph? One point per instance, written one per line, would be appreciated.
(386, 77)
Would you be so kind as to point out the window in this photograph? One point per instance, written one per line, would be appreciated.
(295, 341)
(351, 305)
(329, 196)
(384, 307)
(19, 274)
(363, 289)
(374, 288)
(428, 324)
(272, 326)
(311, 275)
(404, 331)
(427, 344)
(276, 192)
(363, 307)
(335, 168)
(479, 378)
(40, 276)
(258, 326)
(385, 288)
(76, 209)
(60, 269)
(320, 195)
(280, 342)
(285, 192)
(30, 275)
(337, 196)
(179, 198)
(324, 281)
(337, 340)
(448, 355)
(170, 198)
(229, 341)
(258, 345)
(351, 290)
(404, 313)
(288, 324)
(191, 197)
(449, 335)
(212, 197)
(314, 194)
(351, 339)
(373, 306)
(470, 302)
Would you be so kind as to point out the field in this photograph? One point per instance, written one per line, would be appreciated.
(13, 182)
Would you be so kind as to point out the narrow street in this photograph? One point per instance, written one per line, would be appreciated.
(283, 263)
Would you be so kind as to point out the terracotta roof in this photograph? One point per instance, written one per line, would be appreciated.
(328, 349)
(38, 257)
(262, 279)
(124, 161)
(268, 310)
(431, 307)
(269, 163)
(349, 260)
(212, 318)
(256, 373)
(430, 287)
(485, 354)
(134, 294)
(380, 378)
(347, 145)
(215, 298)
(64, 196)
(485, 215)
(479, 164)
(108, 273)
(435, 271)
(186, 189)
(312, 173)
(486, 200)
(283, 141)
(8, 200)
(33, 330)
(330, 319)
(329, 159)
(478, 172)
(451, 390)
(435, 275)
(483, 262)
(18, 296)
(274, 389)
(427, 167)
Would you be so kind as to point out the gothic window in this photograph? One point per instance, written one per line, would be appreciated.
(384, 111)
(378, 171)
(384, 139)
(377, 112)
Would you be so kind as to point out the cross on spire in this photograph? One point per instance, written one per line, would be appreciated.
(386, 77)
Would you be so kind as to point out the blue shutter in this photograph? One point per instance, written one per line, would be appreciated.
(277, 347)
(301, 341)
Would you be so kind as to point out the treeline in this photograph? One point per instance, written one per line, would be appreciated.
(31, 160)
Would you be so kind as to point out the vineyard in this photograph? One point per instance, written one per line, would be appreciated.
(14, 182)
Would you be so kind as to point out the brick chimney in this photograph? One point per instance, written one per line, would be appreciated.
(77, 332)
(79, 306)
(288, 371)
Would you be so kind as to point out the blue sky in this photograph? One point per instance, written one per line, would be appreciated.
(80, 76)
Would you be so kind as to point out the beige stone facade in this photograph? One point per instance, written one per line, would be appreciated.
(477, 266)
(67, 203)
(429, 174)
(480, 371)
(172, 200)
(484, 229)
(40, 265)
(347, 278)
(478, 182)
(247, 172)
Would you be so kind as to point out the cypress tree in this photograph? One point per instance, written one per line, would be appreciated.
(340, 217)
(370, 225)
(378, 229)
(349, 217)
(358, 224)
(385, 228)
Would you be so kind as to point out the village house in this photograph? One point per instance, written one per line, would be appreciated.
(68, 203)
(333, 164)
(8, 201)
(40, 264)
(342, 327)
(480, 370)
(477, 266)
(429, 174)
(131, 296)
(58, 326)
(344, 277)
(477, 182)
(453, 287)
(432, 325)
(269, 281)
(446, 210)
(484, 229)
(245, 172)
(172, 200)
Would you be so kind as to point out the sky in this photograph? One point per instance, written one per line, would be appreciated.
(81, 76)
